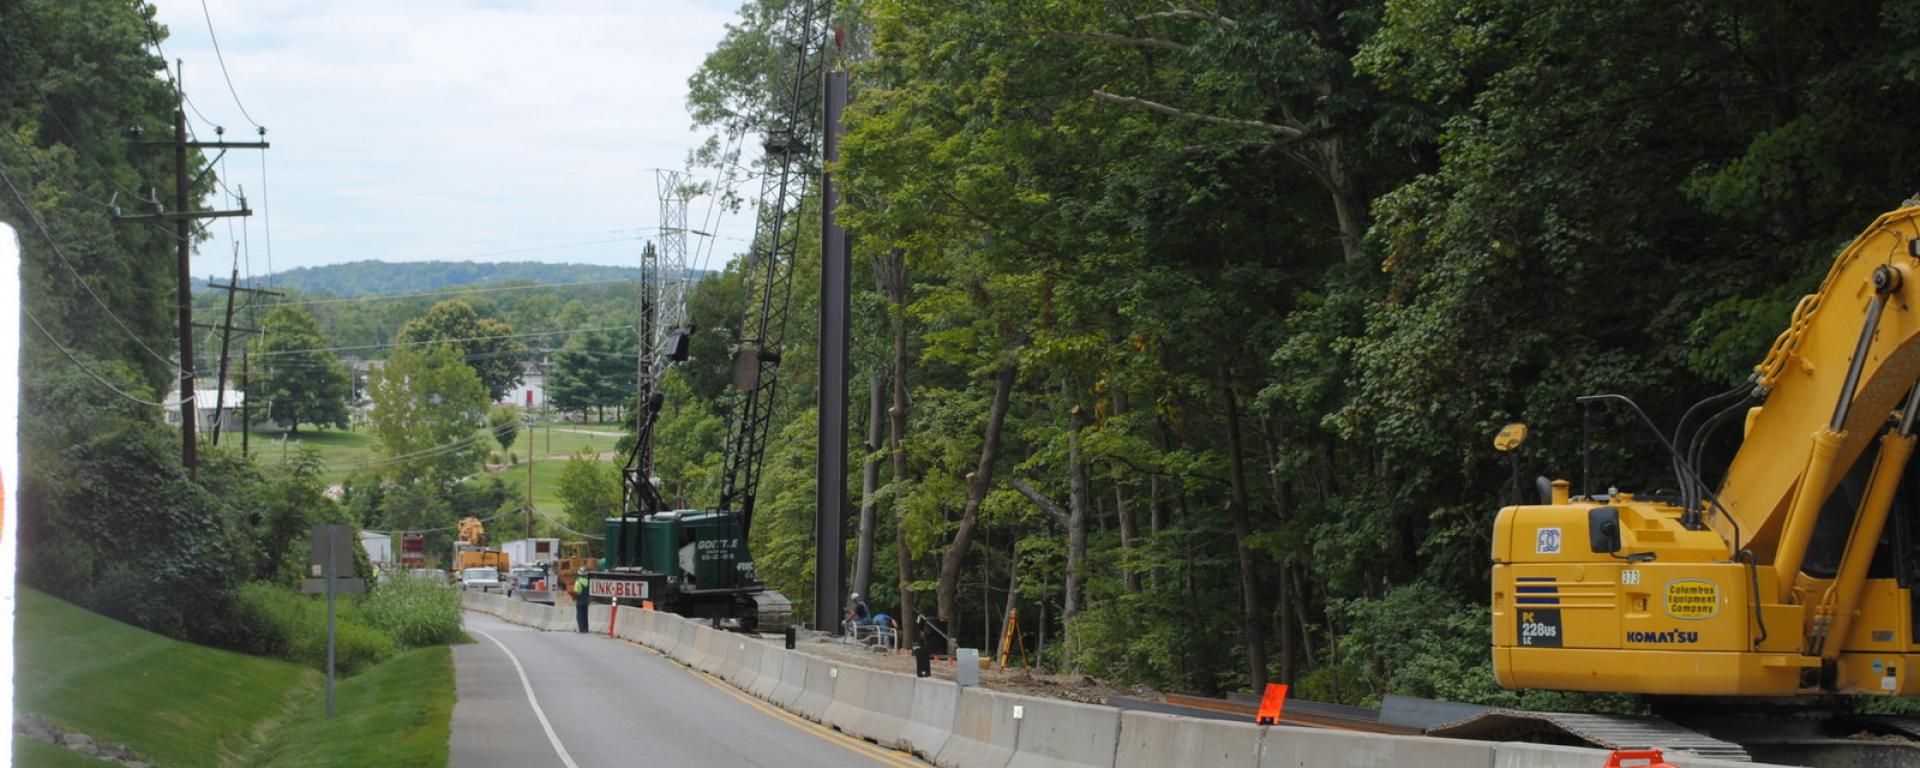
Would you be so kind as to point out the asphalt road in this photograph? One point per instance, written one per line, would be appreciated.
(608, 703)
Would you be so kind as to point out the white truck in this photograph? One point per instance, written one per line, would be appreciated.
(530, 568)
(527, 552)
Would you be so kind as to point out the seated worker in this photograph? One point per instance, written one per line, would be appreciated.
(858, 611)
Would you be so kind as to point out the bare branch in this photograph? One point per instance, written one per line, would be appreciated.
(1208, 16)
(1039, 500)
(1103, 37)
(1284, 131)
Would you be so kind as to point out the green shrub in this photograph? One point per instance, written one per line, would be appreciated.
(413, 612)
(293, 626)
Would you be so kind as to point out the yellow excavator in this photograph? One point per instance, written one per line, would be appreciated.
(1797, 575)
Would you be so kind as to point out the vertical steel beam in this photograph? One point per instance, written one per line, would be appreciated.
(830, 529)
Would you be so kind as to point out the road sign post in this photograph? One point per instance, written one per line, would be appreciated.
(332, 554)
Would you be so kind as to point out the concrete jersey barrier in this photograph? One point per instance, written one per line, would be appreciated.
(930, 722)
(843, 712)
(1289, 747)
(818, 692)
(772, 666)
(1064, 734)
(885, 708)
(984, 732)
(1152, 740)
(957, 727)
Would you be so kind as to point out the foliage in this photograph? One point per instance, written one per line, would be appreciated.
(589, 491)
(503, 422)
(484, 343)
(369, 277)
(593, 370)
(302, 381)
(293, 627)
(413, 612)
(427, 407)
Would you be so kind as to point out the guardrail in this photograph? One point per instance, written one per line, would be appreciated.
(973, 727)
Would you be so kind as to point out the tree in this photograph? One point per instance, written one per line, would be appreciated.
(485, 343)
(503, 422)
(428, 408)
(303, 381)
(595, 369)
(589, 491)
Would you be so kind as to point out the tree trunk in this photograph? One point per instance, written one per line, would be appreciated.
(1129, 528)
(1077, 517)
(892, 275)
(869, 482)
(978, 483)
(1013, 595)
(1253, 624)
(1283, 509)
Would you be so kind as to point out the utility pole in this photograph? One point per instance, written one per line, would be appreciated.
(830, 487)
(226, 336)
(246, 406)
(183, 233)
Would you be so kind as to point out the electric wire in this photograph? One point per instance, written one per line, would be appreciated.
(448, 292)
(34, 216)
(71, 357)
(439, 341)
(208, 15)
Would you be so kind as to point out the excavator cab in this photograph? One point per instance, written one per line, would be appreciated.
(1797, 572)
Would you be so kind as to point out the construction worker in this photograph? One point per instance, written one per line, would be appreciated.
(858, 611)
(580, 599)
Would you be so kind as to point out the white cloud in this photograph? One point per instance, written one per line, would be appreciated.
(444, 128)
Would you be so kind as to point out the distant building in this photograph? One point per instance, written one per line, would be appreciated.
(228, 413)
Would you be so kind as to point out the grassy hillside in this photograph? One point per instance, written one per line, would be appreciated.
(180, 704)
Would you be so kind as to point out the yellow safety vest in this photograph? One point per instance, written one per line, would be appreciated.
(580, 584)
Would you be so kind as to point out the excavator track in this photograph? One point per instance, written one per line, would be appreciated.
(1608, 731)
(772, 612)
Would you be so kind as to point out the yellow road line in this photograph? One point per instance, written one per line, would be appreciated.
(825, 733)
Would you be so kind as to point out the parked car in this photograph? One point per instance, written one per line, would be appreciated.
(434, 575)
(530, 583)
(482, 579)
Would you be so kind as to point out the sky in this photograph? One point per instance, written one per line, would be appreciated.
(477, 130)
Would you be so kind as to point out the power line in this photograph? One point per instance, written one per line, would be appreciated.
(185, 397)
(34, 216)
(439, 341)
(223, 64)
(449, 292)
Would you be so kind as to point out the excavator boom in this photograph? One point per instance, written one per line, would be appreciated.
(1796, 575)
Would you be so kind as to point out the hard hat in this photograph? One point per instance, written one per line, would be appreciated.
(856, 595)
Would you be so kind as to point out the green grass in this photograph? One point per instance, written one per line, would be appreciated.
(29, 753)
(180, 704)
(346, 451)
(408, 701)
(176, 703)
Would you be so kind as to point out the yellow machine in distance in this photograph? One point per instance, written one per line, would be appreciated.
(1798, 574)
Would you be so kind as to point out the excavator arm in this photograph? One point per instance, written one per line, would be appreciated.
(1710, 597)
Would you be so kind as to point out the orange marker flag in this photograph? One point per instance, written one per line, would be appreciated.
(1271, 704)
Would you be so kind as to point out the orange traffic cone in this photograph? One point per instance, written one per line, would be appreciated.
(1652, 757)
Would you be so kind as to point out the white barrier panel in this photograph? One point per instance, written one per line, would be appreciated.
(818, 692)
(713, 650)
(849, 699)
(793, 680)
(772, 666)
(1065, 734)
(931, 722)
(984, 732)
(884, 710)
(746, 671)
(1151, 740)
(1287, 747)
(683, 647)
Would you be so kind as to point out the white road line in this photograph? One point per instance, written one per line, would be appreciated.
(558, 748)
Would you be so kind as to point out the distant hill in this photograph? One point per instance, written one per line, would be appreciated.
(359, 278)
